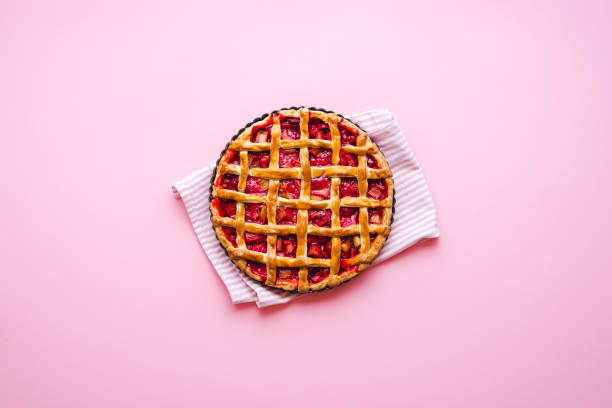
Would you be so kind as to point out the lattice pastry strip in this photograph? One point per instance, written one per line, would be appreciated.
(310, 237)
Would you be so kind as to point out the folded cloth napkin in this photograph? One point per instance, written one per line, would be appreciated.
(414, 220)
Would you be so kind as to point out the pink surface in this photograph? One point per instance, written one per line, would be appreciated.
(106, 298)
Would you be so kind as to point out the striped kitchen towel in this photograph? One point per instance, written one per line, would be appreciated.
(415, 214)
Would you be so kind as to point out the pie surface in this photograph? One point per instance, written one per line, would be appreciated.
(302, 200)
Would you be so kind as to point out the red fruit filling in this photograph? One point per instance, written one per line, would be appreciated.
(375, 215)
(349, 187)
(320, 218)
(377, 189)
(251, 238)
(372, 163)
(228, 182)
(320, 157)
(289, 188)
(348, 216)
(349, 248)
(288, 158)
(256, 213)
(258, 269)
(347, 159)
(261, 159)
(255, 185)
(256, 242)
(319, 247)
(290, 128)
(317, 129)
(232, 156)
(286, 216)
(347, 136)
(226, 208)
(320, 188)
(286, 245)
(258, 247)
(261, 134)
(316, 275)
(349, 268)
(230, 234)
(290, 275)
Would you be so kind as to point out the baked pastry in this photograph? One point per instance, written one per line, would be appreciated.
(302, 199)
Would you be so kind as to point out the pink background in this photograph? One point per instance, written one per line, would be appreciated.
(107, 300)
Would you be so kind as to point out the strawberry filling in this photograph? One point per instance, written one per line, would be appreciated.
(319, 247)
(251, 238)
(258, 269)
(226, 208)
(320, 157)
(286, 216)
(256, 213)
(316, 275)
(286, 245)
(320, 188)
(320, 218)
(261, 134)
(255, 185)
(348, 268)
(290, 275)
(347, 159)
(347, 136)
(230, 235)
(288, 158)
(261, 159)
(375, 215)
(348, 216)
(289, 188)
(349, 187)
(377, 189)
(228, 182)
(232, 156)
(317, 129)
(349, 248)
(290, 128)
(256, 242)
(372, 163)
(258, 247)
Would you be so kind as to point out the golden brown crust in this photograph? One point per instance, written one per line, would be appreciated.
(369, 249)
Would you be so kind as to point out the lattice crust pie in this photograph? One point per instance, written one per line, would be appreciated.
(302, 199)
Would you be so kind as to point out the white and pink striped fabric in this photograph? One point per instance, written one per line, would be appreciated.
(415, 215)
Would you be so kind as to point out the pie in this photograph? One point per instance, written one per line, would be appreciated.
(302, 199)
